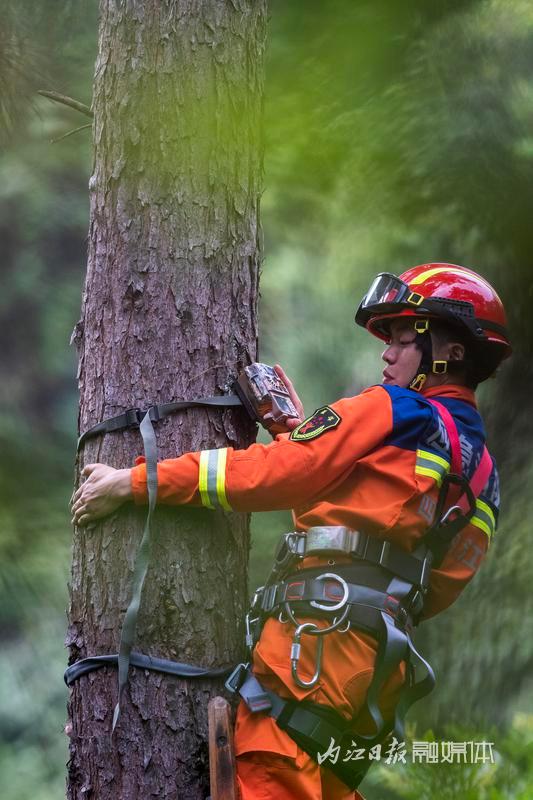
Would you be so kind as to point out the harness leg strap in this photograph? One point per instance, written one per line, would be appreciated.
(314, 728)
(411, 694)
(393, 648)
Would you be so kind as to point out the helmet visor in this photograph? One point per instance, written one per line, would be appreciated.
(386, 294)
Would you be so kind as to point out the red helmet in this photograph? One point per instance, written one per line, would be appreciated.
(449, 292)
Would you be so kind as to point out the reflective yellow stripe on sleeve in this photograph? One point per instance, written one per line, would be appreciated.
(212, 478)
(484, 518)
(202, 478)
(431, 465)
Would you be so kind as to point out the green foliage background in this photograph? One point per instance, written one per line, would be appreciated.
(396, 133)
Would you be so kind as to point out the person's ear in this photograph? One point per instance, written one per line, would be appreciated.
(456, 352)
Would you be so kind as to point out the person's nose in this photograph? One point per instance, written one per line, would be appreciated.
(388, 355)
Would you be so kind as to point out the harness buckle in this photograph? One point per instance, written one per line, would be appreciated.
(383, 559)
(290, 550)
(134, 417)
(154, 413)
(401, 617)
(237, 677)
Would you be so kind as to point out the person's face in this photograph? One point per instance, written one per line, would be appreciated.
(402, 356)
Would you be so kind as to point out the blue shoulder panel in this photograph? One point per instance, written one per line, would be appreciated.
(417, 426)
(411, 416)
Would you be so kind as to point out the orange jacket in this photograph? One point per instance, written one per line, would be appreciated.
(372, 463)
(376, 467)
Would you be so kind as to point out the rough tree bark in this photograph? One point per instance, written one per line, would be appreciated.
(168, 312)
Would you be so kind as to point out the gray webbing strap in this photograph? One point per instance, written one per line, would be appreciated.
(414, 692)
(141, 563)
(133, 416)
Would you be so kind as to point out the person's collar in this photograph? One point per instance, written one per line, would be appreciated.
(452, 390)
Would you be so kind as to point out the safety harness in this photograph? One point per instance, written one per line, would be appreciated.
(381, 592)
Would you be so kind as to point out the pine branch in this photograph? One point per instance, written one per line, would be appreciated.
(67, 101)
(65, 135)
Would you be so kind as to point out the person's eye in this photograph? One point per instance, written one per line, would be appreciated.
(406, 341)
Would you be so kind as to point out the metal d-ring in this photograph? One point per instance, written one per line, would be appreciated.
(345, 589)
(335, 625)
(335, 607)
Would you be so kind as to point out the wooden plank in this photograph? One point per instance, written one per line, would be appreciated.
(222, 770)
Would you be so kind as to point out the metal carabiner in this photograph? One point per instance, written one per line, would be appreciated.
(251, 636)
(313, 630)
(296, 650)
(258, 594)
(450, 511)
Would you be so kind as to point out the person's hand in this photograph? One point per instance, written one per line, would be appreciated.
(291, 422)
(105, 489)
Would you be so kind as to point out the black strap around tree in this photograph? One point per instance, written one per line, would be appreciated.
(176, 668)
(135, 418)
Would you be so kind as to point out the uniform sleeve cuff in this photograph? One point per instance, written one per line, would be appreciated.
(138, 482)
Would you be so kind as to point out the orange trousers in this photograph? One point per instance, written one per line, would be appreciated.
(270, 765)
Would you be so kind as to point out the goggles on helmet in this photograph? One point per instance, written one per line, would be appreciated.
(388, 295)
(387, 291)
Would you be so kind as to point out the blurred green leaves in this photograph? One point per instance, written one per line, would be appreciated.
(396, 133)
(510, 777)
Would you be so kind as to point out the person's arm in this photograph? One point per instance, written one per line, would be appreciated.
(286, 473)
(292, 470)
(462, 560)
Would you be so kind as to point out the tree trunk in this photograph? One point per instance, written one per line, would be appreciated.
(169, 312)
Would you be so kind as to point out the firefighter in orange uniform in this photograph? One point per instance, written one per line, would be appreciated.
(395, 501)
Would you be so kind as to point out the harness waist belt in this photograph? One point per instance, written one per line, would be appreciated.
(332, 540)
(324, 594)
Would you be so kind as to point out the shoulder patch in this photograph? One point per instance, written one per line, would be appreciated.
(314, 426)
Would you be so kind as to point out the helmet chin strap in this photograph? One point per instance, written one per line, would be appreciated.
(427, 363)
